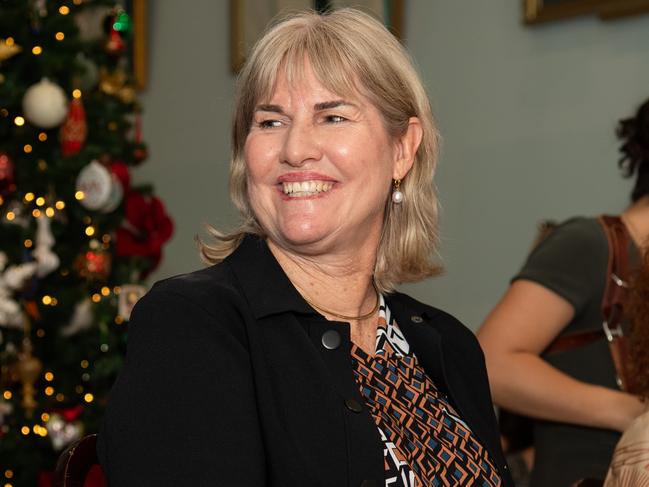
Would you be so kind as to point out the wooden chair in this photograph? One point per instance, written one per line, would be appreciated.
(76, 462)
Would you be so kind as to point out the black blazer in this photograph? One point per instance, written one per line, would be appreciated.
(227, 383)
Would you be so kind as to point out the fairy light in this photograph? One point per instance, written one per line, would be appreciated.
(105, 238)
(42, 136)
(78, 389)
(45, 417)
(9, 41)
(105, 291)
(49, 390)
(117, 289)
(40, 201)
(60, 205)
(76, 93)
(40, 333)
(49, 212)
(9, 474)
(27, 148)
(10, 216)
(79, 195)
(49, 376)
(59, 36)
(60, 397)
(28, 243)
(36, 50)
(47, 300)
(88, 398)
(84, 364)
(119, 319)
(4, 112)
(90, 230)
(20, 121)
(1, 201)
(42, 165)
(25, 430)
(7, 395)
(36, 213)
(96, 298)
(29, 197)
(64, 10)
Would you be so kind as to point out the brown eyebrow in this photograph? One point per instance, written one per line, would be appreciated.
(326, 105)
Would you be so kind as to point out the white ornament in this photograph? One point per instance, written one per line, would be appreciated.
(61, 432)
(116, 195)
(47, 261)
(82, 318)
(16, 276)
(10, 313)
(129, 295)
(97, 185)
(45, 104)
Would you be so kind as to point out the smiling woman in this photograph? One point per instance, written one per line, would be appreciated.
(292, 360)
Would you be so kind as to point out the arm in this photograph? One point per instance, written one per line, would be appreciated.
(183, 411)
(513, 336)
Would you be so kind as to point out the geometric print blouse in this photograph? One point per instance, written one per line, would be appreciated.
(425, 442)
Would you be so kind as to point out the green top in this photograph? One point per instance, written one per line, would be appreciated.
(572, 262)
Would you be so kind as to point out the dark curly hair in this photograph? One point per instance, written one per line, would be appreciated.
(637, 309)
(634, 134)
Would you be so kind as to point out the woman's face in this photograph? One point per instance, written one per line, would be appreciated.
(320, 167)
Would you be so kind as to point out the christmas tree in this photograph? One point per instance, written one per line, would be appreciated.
(76, 237)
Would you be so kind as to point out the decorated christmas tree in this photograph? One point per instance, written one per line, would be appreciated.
(77, 238)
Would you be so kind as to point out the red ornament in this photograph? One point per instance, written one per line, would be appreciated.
(115, 45)
(120, 170)
(7, 184)
(94, 265)
(74, 130)
(146, 229)
(140, 153)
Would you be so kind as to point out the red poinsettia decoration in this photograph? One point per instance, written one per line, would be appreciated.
(146, 228)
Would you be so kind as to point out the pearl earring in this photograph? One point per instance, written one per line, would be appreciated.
(397, 195)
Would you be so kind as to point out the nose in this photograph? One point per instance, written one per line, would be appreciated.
(301, 144)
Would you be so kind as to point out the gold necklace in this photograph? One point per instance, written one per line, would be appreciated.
(347, 317)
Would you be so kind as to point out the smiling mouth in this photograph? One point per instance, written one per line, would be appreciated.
(299, 189)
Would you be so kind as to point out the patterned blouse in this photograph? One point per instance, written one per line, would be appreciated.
(426, 443)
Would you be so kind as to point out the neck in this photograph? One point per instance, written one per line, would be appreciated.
(636, 218)
(340, 283)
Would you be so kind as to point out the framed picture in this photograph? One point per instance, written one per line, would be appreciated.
(249, 18)
(91, 24)
(538, 11)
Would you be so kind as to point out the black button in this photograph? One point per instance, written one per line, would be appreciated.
(331, 339)
(353, 405)
(416, 319)
(368, 483)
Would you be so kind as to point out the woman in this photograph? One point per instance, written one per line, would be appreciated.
(558, 293)
(292, 361)
(630, 464)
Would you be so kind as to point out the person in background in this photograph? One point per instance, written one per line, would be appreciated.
(630, 464)
(292, 360)
(574, 393)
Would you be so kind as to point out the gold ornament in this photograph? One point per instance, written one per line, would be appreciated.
(8, 50)
(116, 84)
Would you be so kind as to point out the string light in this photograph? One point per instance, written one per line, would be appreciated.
(42, 165)
(49, 390)
(9, 474)
(27, 148)
(60, 397)
(79, 195)
(64, 10)
(36, 50)
(117, 289)
(10, 216)
(29, 197)
(59, 36)
(28, 243)
(40, 201)
(9, 41)
(24, 430)
(47, 300)
(4, 112)
(96, 298)
(42, 136)
(45, 417)
(78, 389)
(49, 212)
(84, 364)
(36, 213)
(1, 200)
(7, 395)
(60, 205)
(40, 333)
(90, 231)
(49, 376)
(20, 121)
(76, 93)
(88, 398)
(105, 291)
(119, 319)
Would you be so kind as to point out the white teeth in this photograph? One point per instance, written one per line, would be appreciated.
(306, 188)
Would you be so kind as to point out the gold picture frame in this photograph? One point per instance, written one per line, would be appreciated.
(140, 35)
(249, 19)
(541, 11)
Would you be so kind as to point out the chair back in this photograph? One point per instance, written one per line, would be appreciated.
(76, 461)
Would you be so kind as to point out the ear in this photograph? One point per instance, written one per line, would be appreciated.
(406, 148)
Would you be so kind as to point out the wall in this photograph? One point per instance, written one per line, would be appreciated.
(527, 116)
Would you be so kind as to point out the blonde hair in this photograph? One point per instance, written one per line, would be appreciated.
(350, 52)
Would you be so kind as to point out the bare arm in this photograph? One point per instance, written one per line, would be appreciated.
(513, 336)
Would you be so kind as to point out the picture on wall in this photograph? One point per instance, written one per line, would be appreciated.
(539, 11)
(249, 18)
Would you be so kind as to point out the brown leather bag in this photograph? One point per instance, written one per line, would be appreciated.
(618, 273)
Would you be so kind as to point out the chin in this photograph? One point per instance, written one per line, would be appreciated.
(304, 235)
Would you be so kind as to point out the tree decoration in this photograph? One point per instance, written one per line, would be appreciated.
(95, 182)
(7, 183)
(46, 260)
(45, 104)
(81, 319)
(75, 129)
(8, 49)
(94, 265)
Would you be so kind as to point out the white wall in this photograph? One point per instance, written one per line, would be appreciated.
(527, 116)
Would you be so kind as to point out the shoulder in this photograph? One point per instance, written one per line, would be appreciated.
(577, 230)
